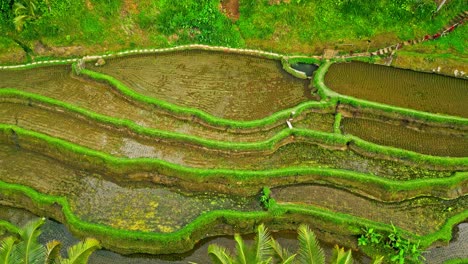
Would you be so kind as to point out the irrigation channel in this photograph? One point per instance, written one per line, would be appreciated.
(160, 153)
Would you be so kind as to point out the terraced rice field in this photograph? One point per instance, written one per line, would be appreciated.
(152, 153)
(420, 91)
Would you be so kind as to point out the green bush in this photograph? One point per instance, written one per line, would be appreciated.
(197, 21)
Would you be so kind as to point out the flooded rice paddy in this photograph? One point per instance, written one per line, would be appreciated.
(120, 144)
(420, 215)
(404, 88)
(95, 199)
(230, 86)
(437, 143)
(236, 87)
(58, 82)
(52, 230)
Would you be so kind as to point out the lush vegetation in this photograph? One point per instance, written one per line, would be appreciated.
(297, 26)
(396, 248)
(23, 248)
(266, 250)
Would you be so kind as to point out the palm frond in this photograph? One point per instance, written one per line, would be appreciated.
(340, 256)
(28, 249)
(19, 22)
(262, 244)
(310, 251)
(53, 252)
(377, 260)
(80, 252)
(282, 254)
(289, 260)
(19, 9)
(241, 250)
(219, 255)
(6, 247)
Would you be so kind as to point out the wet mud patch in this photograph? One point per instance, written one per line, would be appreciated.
(230, 86)
(404, 88)
(420, 215)
(148, 209)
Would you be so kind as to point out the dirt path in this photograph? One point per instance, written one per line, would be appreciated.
(231, 9)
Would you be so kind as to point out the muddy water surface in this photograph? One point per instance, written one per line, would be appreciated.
(59, 83)
(121, 144)
(404, 88)
(94, 199)
(453, 144)
(52, 230)
(231, 86)
(420, 215)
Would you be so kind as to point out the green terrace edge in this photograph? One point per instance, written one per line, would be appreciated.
(270, 144)
(328, 97)
(100, 161)
(178, 241)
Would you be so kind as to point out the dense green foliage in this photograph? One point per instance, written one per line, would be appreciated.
(197, 22)
(331, 20)
(397, 248)
(155, 242)
(25, 249)
(298, 26)
(266, 250)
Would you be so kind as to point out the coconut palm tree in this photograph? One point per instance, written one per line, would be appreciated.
(27, 250)
(259, 252)
(267, 250)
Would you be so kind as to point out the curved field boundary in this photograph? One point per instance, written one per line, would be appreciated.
(126, 241)
(38, 64)
(192, 112)
(329, 99)
(253, 52)
(333, 96)
(8, 227)
(250, 179)
(269, 144)
(334, 139)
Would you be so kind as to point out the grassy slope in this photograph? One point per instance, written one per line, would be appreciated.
(91, 26)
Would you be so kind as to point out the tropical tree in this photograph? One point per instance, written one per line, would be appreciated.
(259, 252)
(266, 250)
(24, 11)
(25, 249)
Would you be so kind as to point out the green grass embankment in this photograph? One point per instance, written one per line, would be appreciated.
(333, 139)
(337, 123)
(126, 241)
(132, 127)
(244, 181)
(8, 227)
